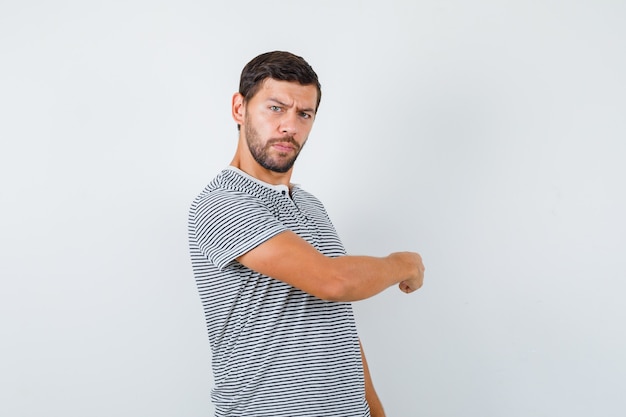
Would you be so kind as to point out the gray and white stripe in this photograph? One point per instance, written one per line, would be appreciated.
(277, 351)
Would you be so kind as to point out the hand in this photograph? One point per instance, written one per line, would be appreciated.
(416, 270)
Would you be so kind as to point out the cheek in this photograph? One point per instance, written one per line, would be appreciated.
(264, 121)
(306, 127)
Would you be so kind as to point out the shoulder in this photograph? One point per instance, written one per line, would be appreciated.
(231, 194)
(306, 198)
(224, 201)
(301, 193)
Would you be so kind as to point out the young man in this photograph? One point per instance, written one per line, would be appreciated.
(273, 276)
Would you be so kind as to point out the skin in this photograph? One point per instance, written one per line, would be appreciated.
(275, 125)
(278, 118)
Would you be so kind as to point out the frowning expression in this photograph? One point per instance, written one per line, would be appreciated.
(277, 122)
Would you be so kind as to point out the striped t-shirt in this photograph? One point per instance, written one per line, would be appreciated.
(276, 350)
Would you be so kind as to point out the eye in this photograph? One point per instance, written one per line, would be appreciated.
(305, 115)
(274, 108)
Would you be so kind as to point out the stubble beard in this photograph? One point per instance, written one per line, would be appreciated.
(261, 152)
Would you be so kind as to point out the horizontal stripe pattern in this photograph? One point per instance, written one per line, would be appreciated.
(276, 350)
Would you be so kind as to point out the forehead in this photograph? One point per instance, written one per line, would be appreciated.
(288, 91)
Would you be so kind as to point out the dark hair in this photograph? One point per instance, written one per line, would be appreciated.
(278, 65)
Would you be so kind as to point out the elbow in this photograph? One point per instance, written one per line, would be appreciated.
(340, 283)
(332, 292)
(338, 289)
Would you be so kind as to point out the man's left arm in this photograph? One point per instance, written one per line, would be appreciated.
(376, 407)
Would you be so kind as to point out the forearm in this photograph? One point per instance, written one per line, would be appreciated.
(289, 258)
(360, 277)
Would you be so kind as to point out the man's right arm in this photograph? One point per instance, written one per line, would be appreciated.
(289, 258)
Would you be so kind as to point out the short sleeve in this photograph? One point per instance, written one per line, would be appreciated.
(230, 223)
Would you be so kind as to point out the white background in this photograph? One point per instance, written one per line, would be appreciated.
(487, 135)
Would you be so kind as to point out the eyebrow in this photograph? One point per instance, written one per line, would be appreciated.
(277, 101)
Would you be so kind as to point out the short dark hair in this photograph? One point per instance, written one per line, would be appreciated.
(278, 65)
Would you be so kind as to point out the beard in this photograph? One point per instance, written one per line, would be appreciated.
(280, 162)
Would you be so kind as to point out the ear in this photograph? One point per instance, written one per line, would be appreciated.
(238, 108)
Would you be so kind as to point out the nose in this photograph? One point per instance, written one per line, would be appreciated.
(288, 123)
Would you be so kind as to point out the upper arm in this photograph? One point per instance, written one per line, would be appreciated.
(224, 226)
(291, 259)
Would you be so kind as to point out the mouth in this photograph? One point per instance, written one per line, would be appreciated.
(285, 145)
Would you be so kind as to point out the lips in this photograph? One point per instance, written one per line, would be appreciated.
(283, 147)
(284, 144)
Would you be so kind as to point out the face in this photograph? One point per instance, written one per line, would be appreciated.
(277, 121)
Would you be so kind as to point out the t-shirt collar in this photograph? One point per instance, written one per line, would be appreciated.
(281, 188)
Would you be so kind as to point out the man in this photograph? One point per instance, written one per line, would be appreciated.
(273, 276)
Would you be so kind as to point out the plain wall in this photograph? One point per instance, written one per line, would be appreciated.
(489, 136)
